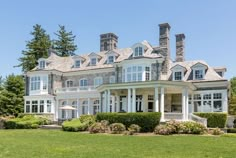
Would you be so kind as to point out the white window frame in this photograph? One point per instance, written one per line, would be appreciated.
(83, 83)
(108, 59)
(39, 86)
(138, 51)
(42, 64)
(78, 65)
(194, 74)
(69, 85)
(174, 75)
(93, 59)
(35, 83)
(133, 74)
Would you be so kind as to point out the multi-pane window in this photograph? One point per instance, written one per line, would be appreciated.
(110, 59)
(69, 83)
(93, 61)
(178, 76)
(77, 63)
(35, 83)
(198, 74)
(34, 106)
(41, 106)
(42, 64)
(147, 73)
(138, 51)
(49, 106)
(74, 105)
(83, 83)
(27, 106)
(45, 82)
(98, 81)
(217, 102)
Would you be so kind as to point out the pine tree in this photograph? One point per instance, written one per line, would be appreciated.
(36, 48)
(64, 45)
(1, 83)
(232, 101)
(11, 98)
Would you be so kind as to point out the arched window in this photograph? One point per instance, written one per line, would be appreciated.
(63, 103)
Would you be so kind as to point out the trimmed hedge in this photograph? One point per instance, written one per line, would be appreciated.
(26, 122)
(231, 130)
(74, 125)
(214, 119)
(146, 120)
(80, 124)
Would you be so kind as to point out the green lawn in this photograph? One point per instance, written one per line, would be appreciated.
(58, 144)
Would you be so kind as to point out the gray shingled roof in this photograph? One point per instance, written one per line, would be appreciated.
(66, 64)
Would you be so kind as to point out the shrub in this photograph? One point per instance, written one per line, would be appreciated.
(146, 120)
(190, 127)
(117, 128)
(88, 119)
(216, 131)
(25, 122)
(173, 127)
(163, 130)
(134, 128)
(99, 127)
(74, 125)
(214, 120)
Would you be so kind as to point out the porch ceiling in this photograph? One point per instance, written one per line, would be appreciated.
(169, 85)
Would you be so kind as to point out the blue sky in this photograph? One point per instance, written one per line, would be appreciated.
(209, 26)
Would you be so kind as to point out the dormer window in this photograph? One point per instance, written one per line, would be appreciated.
(93, 61)
(178, 76)
(199, 74)
(138, 51)
(110, 59)
(77, 63)
(42, 63)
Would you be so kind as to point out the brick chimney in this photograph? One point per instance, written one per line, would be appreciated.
(164, 43)
(180, 47)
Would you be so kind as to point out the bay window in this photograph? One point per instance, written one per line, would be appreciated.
(136, 73)
(35, 83)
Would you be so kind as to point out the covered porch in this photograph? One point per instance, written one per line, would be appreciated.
(169, 98)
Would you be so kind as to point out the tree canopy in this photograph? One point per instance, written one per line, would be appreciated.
(11, 97)
(36, 48)
(64, 44)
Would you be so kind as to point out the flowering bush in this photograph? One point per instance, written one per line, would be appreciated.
(173, 127)
(99, 127)
(216, 131)
(134, 128)
(117, 128)
(163, 130)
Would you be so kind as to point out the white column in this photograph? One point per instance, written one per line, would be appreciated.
(113, 103)
(30, 106)
(134, 100)
(117, 103)
(108, 100)
(184, 103)
(77, 111)
(129, 100)
(105, 102)
(100, 102)
(156, 100)
(57, 109)
(162, 104)
(89, 106)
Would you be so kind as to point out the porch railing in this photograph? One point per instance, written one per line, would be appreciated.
(75, 89)
(198, 119)
(173, 116)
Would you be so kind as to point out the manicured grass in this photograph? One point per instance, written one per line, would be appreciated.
(59, 144)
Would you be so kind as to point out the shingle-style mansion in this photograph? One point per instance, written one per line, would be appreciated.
(142, 78)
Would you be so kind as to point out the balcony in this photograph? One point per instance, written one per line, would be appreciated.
(75, 89)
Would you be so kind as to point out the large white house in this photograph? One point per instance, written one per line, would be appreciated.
(141, 78)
